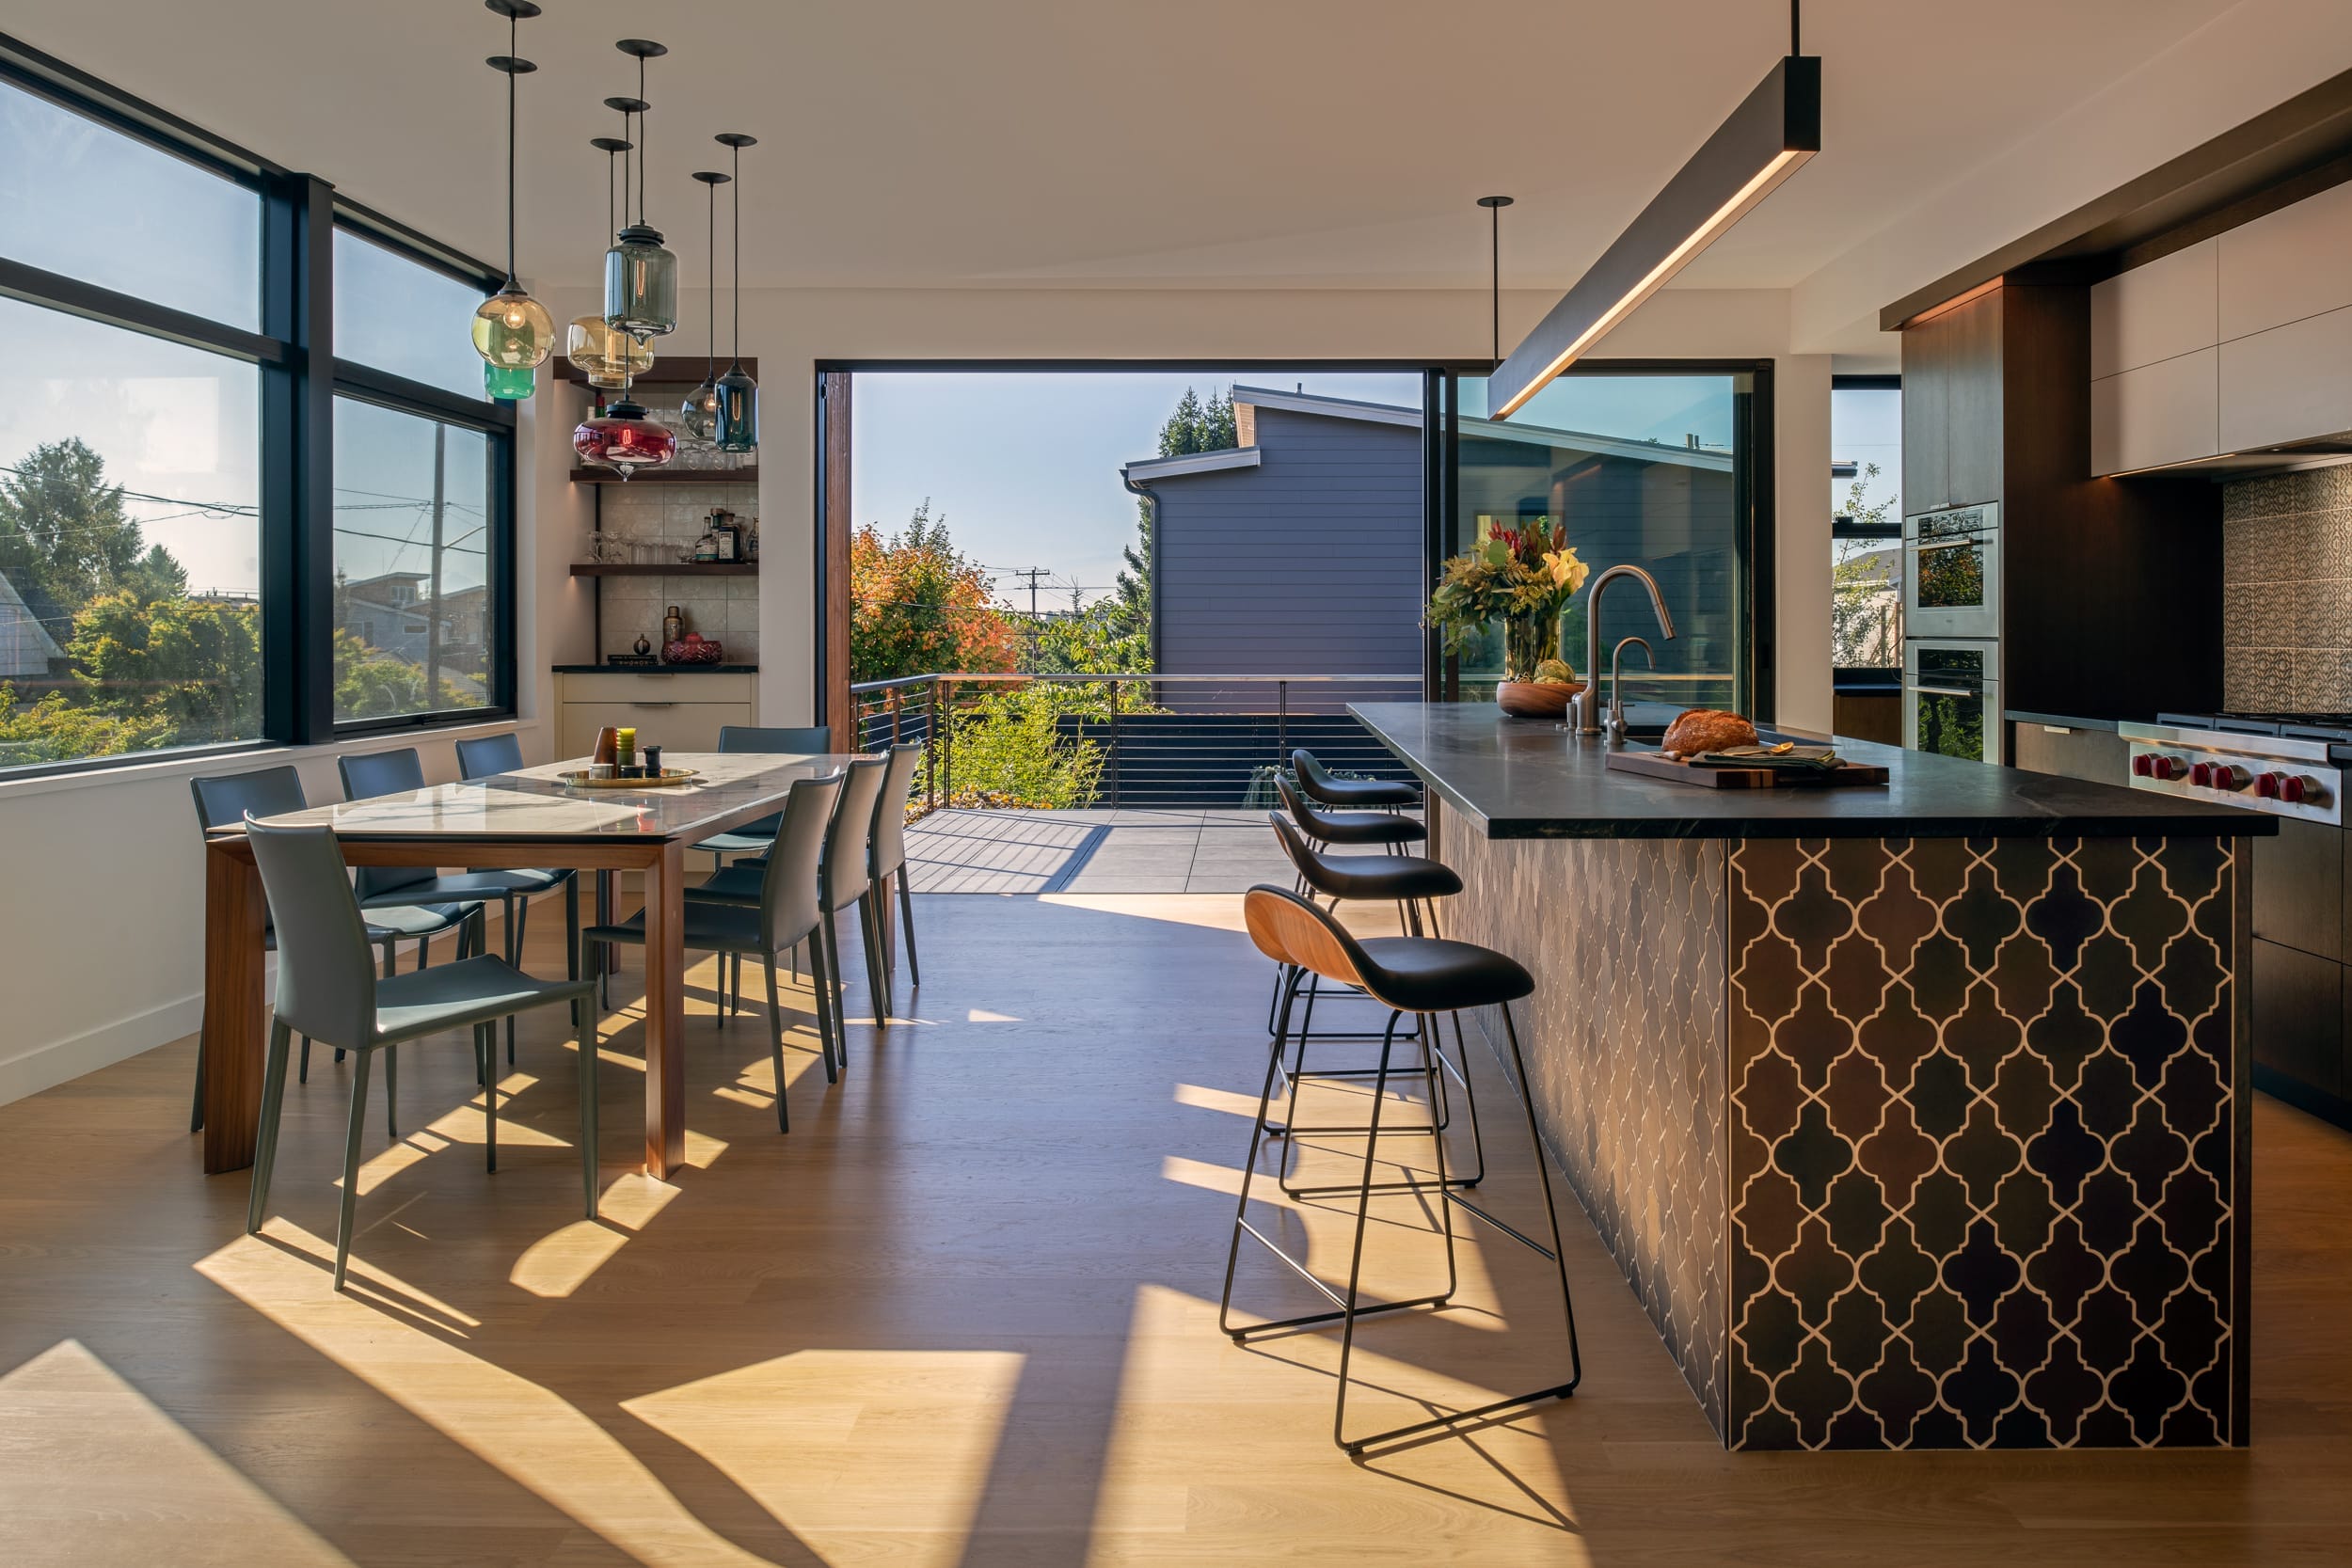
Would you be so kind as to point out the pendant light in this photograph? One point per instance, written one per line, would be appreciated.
(700, 413)
(1494, 205)
(621, 436)
(511, 331)
(609, 359)
(640, 276)
(738, 394)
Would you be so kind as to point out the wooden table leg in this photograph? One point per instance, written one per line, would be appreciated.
(233, 1048)
(665, 1010)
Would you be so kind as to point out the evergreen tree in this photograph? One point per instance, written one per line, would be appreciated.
(64, 529)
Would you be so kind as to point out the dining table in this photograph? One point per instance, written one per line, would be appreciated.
(530, 819)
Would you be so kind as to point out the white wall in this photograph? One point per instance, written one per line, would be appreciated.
(102, 938)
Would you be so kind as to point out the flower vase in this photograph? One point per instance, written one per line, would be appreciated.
(1527, 642)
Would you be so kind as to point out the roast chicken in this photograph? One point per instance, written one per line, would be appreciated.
(1705, 729)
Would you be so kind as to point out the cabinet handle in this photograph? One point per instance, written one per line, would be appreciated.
(653, 705)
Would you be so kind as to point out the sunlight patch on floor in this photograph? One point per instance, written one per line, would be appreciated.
(826, 1440)
(512, 1424)
(1213, 911)
(563, 1260)
(71, 1429)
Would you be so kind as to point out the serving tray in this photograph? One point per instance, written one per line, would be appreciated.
(580, 780)
(1656, 766)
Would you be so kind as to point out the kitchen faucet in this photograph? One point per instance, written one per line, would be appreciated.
(1588, 706)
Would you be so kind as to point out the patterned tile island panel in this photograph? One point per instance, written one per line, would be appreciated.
(1624, 1040)
(1930, 1143)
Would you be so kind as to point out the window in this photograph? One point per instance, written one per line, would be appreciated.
(1866, 436)
(394, 313)
(179, 561)
(412, 529)
(1648, 467)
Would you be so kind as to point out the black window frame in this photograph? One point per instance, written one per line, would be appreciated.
(300, 378)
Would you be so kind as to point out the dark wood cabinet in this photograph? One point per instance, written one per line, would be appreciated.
(1927, 416)
(2299, 888)
(2298, 1022)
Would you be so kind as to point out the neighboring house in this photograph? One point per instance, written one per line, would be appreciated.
(28, 650)
(1301, 550)
(389, 613)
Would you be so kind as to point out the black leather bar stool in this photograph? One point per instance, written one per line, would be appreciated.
(1317, 783)
(1346, 827)
(1421, 976)
(1411, 882)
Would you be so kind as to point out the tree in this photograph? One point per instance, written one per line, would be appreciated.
(54, 730)
(1193, 427)
(63, 528)
(369, 683)
(1865, 598)
(917, 604)
(193, 664)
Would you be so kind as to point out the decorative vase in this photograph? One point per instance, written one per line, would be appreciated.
(1527, 642)
(1530, 700)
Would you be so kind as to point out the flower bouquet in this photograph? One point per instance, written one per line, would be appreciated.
(1522, 577)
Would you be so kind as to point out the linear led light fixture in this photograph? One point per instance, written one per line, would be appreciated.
(1768, 138)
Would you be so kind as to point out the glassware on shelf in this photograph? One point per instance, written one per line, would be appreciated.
(651, 552)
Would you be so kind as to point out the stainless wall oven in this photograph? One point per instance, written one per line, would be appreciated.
(1952, 698)
(1952, 572)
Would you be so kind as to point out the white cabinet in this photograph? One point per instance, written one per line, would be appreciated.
(2287, 383)
(2167, 412)
(2286, 265)
(2240, 342)
(679, 711)
(2155, 312)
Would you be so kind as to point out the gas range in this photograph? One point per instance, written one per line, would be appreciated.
(2279, 763)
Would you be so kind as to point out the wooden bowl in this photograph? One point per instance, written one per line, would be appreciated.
(1530, 700)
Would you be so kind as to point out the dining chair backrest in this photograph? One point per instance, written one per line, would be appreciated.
(326, 973)
(227, 800)
(809, 742)
(789, 902)
(490, 754)
(844, 873)
(1290, 930)
(373, 773)
(1302, 854)
(889, 842)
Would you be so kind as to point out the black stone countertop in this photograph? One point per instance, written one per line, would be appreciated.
(1526, 779)
(655, 669)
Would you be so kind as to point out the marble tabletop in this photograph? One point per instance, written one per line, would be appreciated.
(535, 803)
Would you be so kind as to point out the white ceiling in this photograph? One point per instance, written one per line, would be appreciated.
(1307, 143)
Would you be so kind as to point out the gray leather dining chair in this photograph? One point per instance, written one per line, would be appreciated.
(370, 774)
(230, 798)
(787, 913)
(485, 757)
(887, 859)
(328, 990)
(845, 880)
(753, 838)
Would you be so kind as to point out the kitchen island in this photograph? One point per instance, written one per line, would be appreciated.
(1916, 1116)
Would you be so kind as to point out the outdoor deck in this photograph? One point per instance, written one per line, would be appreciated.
(1105, 849)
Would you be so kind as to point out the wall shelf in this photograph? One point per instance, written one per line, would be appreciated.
(674, 569)
(670, 476)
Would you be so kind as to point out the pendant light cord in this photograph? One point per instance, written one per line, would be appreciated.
(514, 40)
(710, 294)
(738, 182)
(1495, 274)
(644, 133)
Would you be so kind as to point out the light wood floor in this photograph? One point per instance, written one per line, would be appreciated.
(963, 1315)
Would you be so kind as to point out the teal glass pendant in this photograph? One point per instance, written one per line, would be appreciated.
(509, 382)
(738, 411)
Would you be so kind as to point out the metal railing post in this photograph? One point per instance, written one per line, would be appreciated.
(898, 706)
(930, 751)
(1281, 723)
(1115, 761)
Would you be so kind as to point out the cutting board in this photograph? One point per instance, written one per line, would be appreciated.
(1652, 765)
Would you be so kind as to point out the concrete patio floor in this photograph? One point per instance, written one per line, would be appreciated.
(1102, 849)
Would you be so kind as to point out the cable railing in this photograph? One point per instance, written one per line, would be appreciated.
(1145, 739)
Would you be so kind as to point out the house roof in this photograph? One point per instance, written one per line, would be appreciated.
(1146, 470)
(14, 607)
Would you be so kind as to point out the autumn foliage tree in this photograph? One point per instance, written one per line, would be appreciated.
(917, 604)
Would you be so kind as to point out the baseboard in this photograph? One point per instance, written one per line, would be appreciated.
(47, 1065)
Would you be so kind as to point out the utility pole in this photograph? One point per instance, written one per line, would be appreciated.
(1033, 574)
(433, 615)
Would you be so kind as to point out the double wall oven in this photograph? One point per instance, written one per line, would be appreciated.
(1952, 631)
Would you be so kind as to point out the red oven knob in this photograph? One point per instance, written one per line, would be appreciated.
(2266, 784)
(2143, 767)
(2229, 776)
(2293, 788)
(2201, 774)
(2167, 768)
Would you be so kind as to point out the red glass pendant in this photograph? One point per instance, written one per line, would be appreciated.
(621, 438)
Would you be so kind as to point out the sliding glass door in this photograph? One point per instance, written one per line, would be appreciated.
(1652, 467)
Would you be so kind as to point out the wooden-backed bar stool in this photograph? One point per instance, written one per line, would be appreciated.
(1420, 976)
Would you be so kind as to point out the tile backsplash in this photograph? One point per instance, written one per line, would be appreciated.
(674, 517)
(2286, 592)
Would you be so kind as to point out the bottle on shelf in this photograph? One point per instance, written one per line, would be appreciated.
(672, 627)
